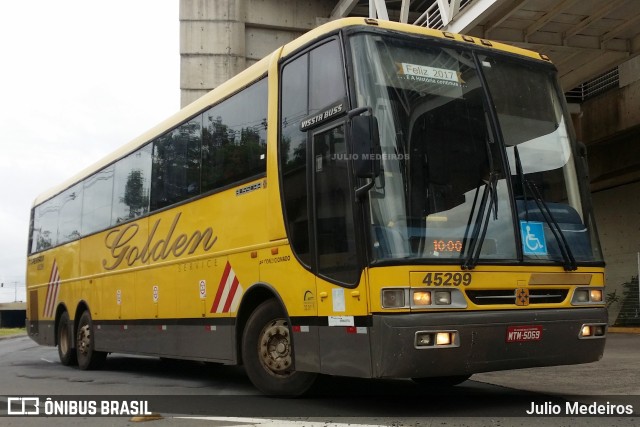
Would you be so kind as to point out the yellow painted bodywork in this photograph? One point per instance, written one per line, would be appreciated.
(171, 264)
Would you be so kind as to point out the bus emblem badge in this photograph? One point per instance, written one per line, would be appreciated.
(522, 296)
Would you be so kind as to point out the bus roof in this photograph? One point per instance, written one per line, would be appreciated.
(259, 69)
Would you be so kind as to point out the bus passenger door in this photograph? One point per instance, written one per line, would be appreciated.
(342, 299)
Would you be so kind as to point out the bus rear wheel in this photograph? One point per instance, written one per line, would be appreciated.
(66, 352)
(267, 353)
(88, 357)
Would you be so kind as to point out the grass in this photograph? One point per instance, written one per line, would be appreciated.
(12, 331)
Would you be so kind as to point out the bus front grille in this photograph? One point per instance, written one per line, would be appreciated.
(508, 296)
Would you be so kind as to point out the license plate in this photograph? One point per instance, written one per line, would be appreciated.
(524, 333)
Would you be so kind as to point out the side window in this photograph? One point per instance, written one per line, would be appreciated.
(96, 203)
(131, 186)
(70, 214)
(45, 225)
(335, 232)
(326, 76)
(234, 141)
(311, 83)
(293, 154)
(176, 164)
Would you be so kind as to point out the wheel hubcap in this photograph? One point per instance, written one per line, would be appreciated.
(275, 348)
(84, 339)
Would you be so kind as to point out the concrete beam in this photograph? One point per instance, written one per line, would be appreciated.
(343, 9)
(502, 14)
(592, 68)
(547, 17)
(293, 15)
(593, 16)
(514, 36)
(472, 15)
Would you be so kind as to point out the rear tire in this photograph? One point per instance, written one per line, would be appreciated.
(88, 357)
(66, 352)
(267, 353)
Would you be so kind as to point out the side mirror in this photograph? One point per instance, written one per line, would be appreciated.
(365, 141)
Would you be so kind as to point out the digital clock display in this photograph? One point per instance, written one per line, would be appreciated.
(447, 245)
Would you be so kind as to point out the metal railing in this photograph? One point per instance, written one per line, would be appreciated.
(432, 17)
(593, 87)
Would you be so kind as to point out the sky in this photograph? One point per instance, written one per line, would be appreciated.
(78, 79)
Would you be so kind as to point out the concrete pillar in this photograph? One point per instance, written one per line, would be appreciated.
(219, 38)
(212, 42)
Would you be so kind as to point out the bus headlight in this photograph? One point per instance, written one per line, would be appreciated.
(586, 296)
(443, 338)
(595, 295)
(581, 295)
(422, 298)
(443, 297)
(436, 339)
(393, 298)
(592, 330)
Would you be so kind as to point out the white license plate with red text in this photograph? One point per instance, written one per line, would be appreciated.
(524, 333)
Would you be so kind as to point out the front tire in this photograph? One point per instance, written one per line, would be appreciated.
(66, 352)
(267, 353)
(88, 357)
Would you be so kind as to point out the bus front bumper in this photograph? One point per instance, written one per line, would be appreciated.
(482, 341)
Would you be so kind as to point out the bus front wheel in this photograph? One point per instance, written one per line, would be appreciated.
(88, 357)
(66, 352)
(267, 353)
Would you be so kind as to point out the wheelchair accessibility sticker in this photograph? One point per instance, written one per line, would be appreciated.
(533, 241)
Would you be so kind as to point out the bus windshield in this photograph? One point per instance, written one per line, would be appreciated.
(449, 189)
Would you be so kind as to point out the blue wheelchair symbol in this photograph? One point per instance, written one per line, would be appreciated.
(533, 241)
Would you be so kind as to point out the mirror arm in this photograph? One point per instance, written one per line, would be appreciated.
(364, 190)
(358, 111)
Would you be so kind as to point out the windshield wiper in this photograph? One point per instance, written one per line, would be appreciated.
(565, 250)
(472, 246)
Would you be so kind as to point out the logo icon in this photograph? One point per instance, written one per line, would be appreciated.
(533, 241)
(25, 405)
(522, 296)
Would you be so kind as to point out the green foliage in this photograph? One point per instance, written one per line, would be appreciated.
(630, 311)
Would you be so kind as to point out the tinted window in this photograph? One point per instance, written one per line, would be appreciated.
(310, 83)
(334, 213)
(176, 165)
(293, 152)
(98, 194)
(45, 226)
(235, 138)
(69, 214)
(326, 76)
(131, 186)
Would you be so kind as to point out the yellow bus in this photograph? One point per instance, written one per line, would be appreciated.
(372, 200)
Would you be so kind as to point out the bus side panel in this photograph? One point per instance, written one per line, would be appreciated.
(297, 289)
(345, 347)
(50, 278)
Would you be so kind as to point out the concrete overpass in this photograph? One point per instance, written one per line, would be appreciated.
(595, 45)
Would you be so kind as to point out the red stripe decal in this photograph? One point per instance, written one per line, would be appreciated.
(232, 293)
(225, 276)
